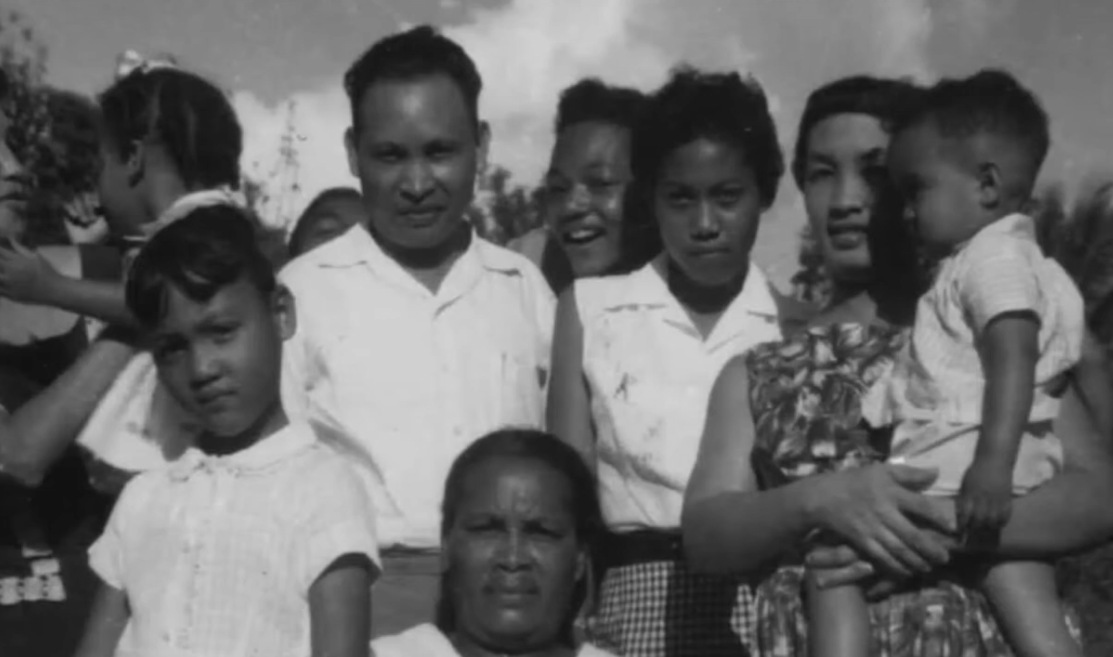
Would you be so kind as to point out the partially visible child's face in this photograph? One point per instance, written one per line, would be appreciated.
(939, 189)
(327, 223)
(221, 359)
(708, 205)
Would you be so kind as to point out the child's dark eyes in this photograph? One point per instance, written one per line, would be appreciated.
(818, 174)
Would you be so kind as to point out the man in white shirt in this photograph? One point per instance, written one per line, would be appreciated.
(415, 336)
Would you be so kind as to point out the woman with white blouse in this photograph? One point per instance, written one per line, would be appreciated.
(635, 356)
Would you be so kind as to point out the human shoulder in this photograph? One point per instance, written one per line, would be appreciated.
(344, 250)
(142, 491)
(506, 260)
(421, 641)
(595, 295)
(1007, 242)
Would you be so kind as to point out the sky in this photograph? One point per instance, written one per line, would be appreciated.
(283, 61)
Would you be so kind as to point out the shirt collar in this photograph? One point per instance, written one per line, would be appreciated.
(1016, 224)
(269, 451)
(649, 287)
(357, 248)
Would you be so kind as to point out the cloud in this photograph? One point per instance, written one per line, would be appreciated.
(528, 50)
(314, 122)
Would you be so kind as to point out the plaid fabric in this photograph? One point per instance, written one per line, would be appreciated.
(663, 609)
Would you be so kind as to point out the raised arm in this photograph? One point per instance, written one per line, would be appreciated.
(732, 527)
(30, 277)
(36, 435)
(568, 412)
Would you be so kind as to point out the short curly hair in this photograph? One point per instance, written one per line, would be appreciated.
(718, 106)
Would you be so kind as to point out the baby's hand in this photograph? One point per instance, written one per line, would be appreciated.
(985, 501)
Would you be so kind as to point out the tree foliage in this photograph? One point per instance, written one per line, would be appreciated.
(1079, 236)
(504, 209)
(53, 133)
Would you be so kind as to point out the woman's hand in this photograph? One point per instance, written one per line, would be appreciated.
(25, 275)
(835, 566)
(876, 510)
(841, 565)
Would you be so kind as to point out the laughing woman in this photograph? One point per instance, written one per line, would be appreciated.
(592, 224)
(635, 355)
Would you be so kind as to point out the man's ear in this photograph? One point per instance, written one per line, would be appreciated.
(990, 191)
(351, 146)
(284, 307)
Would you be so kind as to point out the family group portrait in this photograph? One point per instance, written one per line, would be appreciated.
(539, 328)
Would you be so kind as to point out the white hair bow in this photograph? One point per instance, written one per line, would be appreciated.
(131, 61)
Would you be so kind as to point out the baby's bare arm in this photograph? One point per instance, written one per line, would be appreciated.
(1009, 350)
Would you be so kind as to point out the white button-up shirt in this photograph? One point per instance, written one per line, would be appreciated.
(402, 379)
(216, 554)
(650, 373)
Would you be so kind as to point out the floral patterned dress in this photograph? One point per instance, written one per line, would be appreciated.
(805, 395)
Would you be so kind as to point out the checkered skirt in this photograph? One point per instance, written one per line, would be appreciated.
(661, 609)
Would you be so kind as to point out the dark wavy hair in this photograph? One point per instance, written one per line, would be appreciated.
(185, 114)
(592, 100)
(717, 106)
(536, 446)
(415, 53)
(207, 250)
(890, 101)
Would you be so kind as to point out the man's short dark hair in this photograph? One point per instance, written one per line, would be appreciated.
(419, 52)
(205, 251)
(991, 102)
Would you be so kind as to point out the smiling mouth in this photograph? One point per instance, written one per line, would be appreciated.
(582, 235)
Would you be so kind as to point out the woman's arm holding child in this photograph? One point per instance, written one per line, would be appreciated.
(107, 620)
